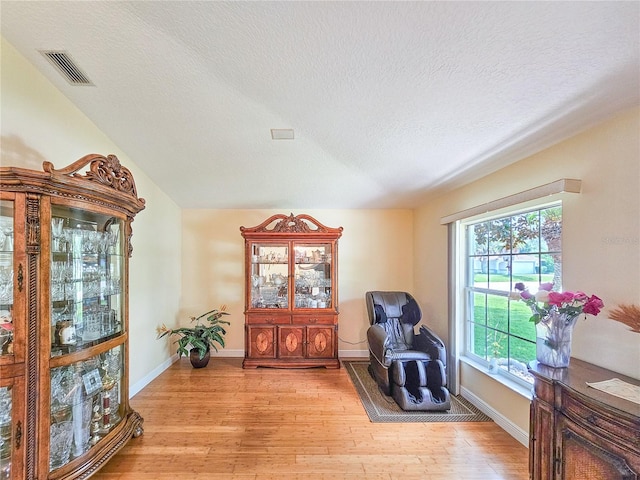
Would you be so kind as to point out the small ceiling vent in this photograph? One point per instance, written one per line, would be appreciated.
(282, 133)
(66, 66)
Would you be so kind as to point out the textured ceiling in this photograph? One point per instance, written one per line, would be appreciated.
(391, 102)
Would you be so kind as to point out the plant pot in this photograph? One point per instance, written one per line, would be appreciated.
(196, 361)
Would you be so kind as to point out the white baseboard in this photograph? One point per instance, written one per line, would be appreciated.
(227, 353)
(147, 379)
(353, 353)
(507, 425)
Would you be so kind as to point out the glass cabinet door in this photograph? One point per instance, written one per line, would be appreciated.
(85, 404)
(312, 275)
(6, 277)
(87, 262)
(269, 275)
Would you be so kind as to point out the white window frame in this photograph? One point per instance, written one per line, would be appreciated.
(460, 272)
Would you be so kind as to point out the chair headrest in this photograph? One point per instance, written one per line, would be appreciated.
(381, 316)
(411, 313)
(391, 302)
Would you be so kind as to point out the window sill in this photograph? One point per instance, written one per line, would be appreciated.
(520, 389)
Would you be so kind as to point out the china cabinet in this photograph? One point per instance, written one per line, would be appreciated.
(291, 295)
(578, 432)
(65, 240)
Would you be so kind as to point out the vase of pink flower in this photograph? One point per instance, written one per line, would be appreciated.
(554, 315)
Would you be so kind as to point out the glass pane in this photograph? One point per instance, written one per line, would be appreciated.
(519, 315)
(87, 262)
(479, 308)
(526, 269)
(481, 273)
(497, 312)
(313, 275)
(269, 276)
(6, 431)
(499, 273)
(551, 229)
(497, 344)
(521, 352)
(478, 340)
(6, 277)
(85, 405)
(478, 239)
(525, 230)
(500, 236)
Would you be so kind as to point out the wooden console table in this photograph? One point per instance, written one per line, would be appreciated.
(579, 432)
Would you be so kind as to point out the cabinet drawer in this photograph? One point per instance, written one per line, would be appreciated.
(315, 319)
(544, 391)
(607, 423)
(264, 319)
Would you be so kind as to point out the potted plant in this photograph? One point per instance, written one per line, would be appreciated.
(203, 335)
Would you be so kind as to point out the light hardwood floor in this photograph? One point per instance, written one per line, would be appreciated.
(224, 422)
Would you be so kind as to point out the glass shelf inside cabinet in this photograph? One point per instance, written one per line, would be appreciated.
(85, 405)
(6, 440)
(269, 276)
(6, 277)
(87, 262)
(313, 275)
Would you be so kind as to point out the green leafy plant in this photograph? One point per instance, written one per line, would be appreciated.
(201, 336)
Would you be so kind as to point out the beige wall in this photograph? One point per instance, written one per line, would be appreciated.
(375, 253)
(601, 244)
(38, 124)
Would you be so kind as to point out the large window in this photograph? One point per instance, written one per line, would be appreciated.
(500, 252)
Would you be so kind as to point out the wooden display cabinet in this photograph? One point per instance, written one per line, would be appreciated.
(64, 248)
(291, 295)
(578, 432)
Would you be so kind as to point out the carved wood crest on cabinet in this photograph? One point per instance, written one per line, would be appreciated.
(65, 241)
(291, 293)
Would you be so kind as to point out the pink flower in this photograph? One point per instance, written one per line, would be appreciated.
(593, 305)
(580, 297)
(520, 287)
(526, 295)
(542, 296)
(546, 286)
(556, 298)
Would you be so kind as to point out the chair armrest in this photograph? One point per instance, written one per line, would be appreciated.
(428, 341)
(377, 338)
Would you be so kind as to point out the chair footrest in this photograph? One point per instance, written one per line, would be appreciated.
(420, 385)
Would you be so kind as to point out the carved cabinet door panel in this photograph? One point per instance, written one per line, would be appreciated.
(541, 444)
(261, 342)
(586, 456)
(321, 341)
(291, 342)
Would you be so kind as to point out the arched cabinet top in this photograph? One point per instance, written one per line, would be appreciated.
(291, 224)
(106, 182)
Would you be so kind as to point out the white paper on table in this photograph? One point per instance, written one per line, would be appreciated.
(618, 388)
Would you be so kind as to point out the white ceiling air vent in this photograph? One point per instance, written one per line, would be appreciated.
(66, 66)
(282, 133)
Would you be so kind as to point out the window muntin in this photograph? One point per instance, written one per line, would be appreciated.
(500, 252)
